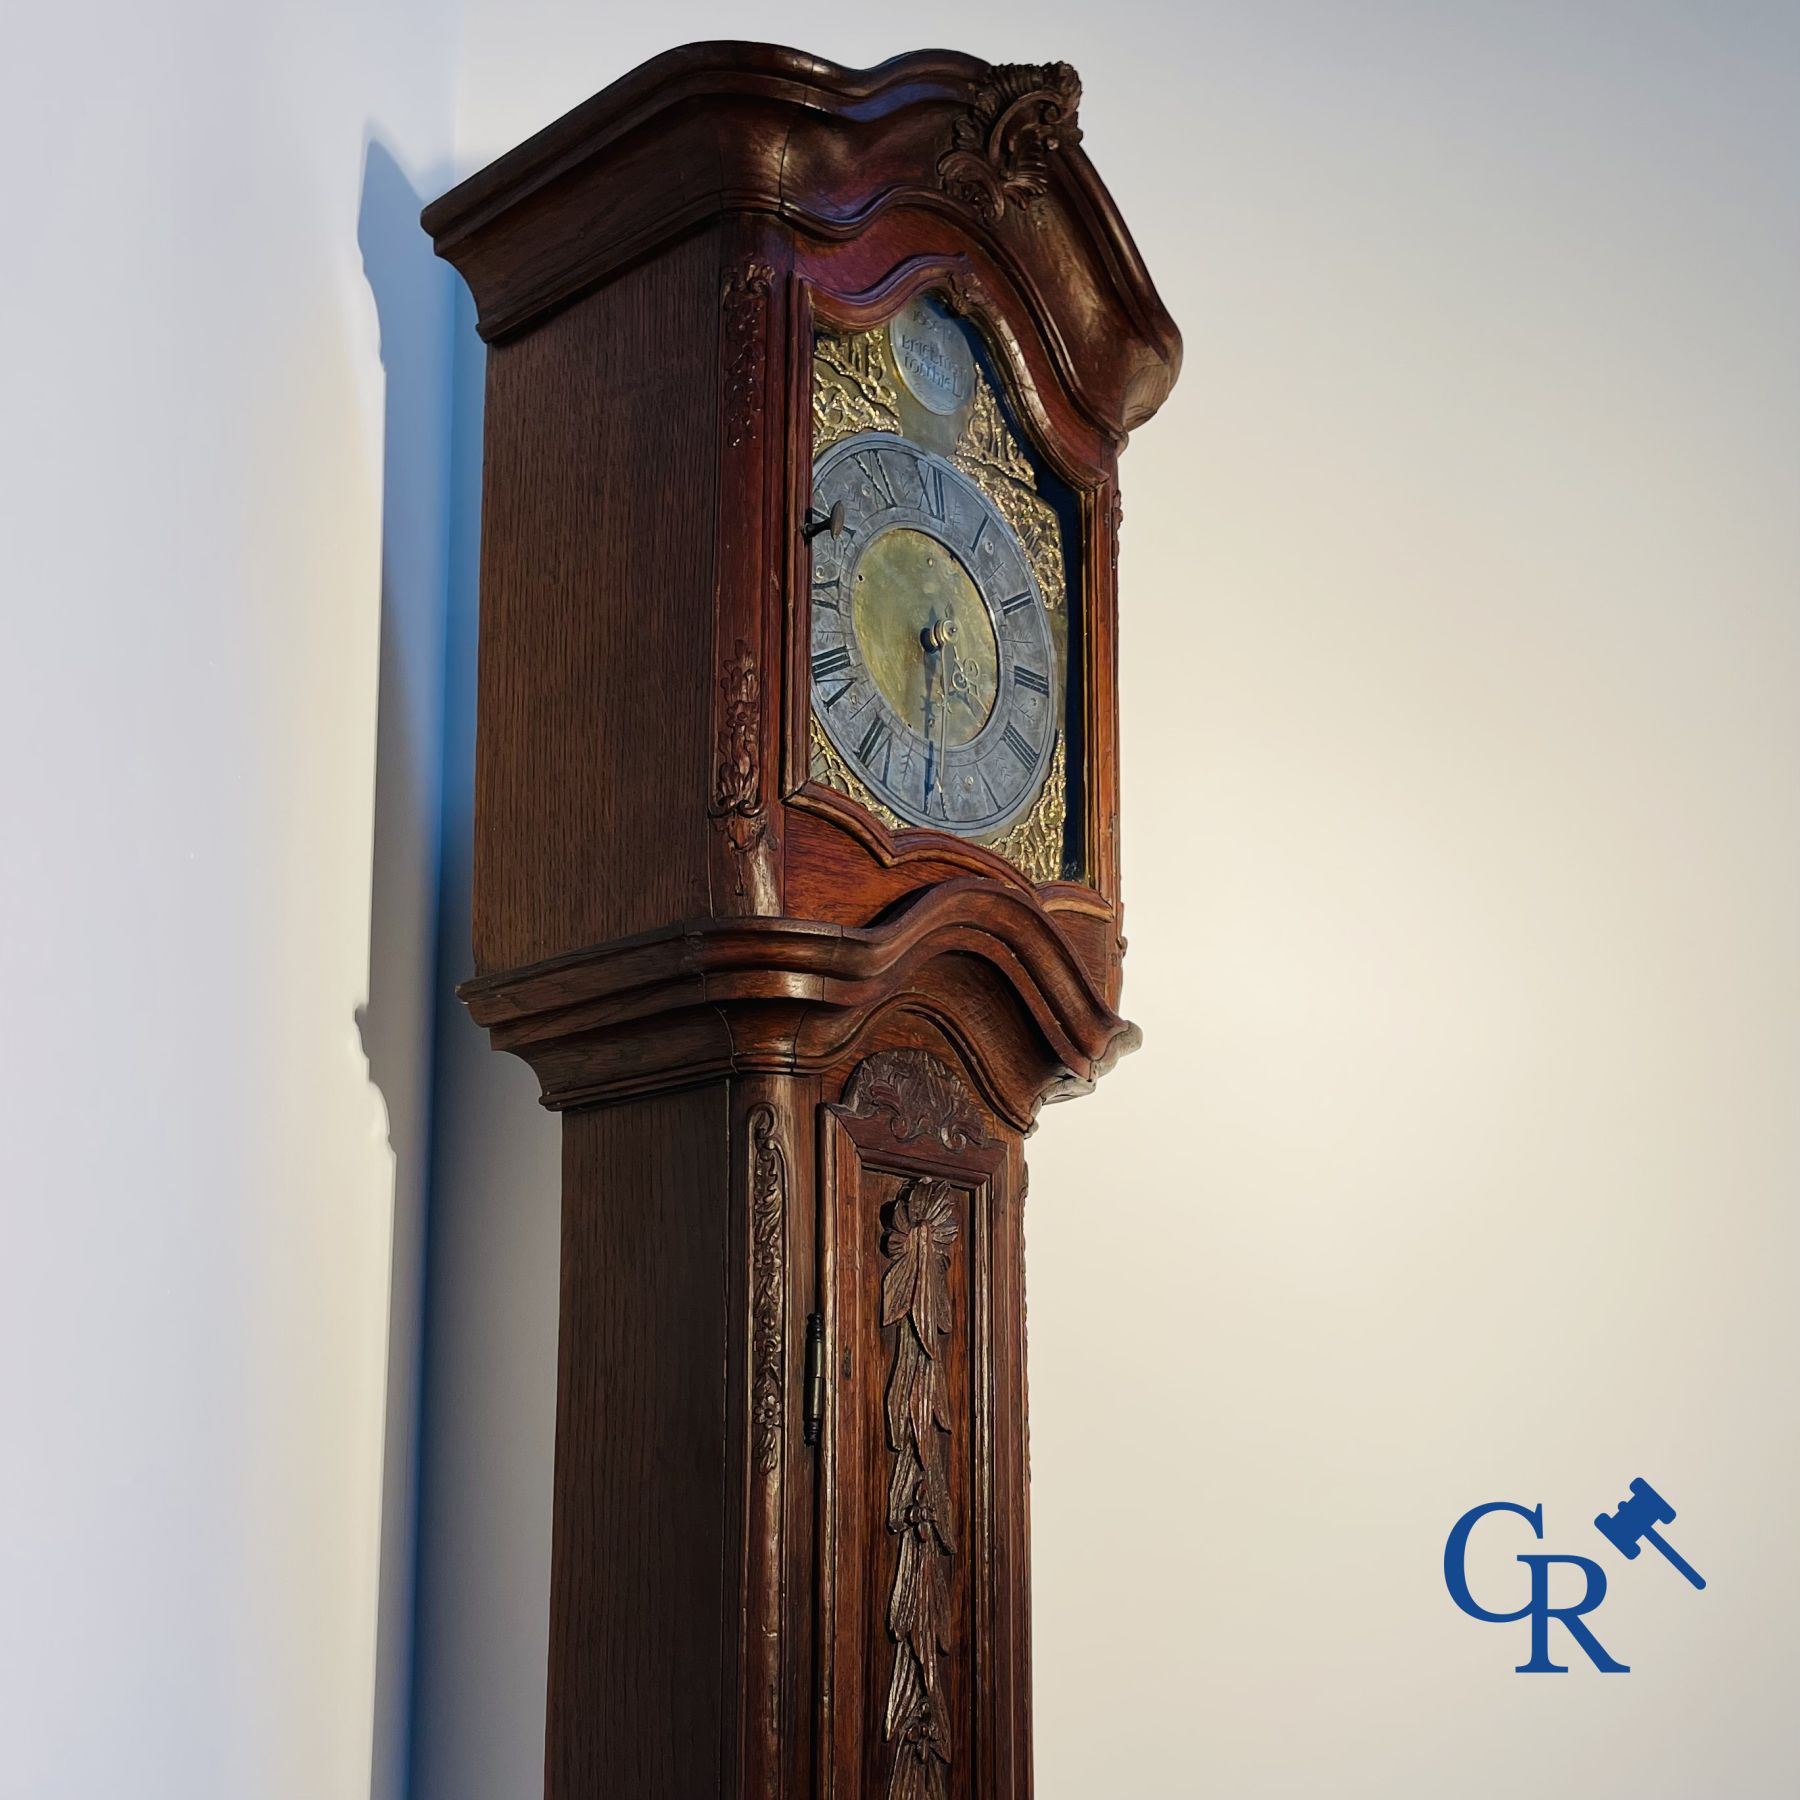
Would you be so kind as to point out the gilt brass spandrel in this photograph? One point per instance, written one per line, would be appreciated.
(1035, 845)
(986, 443)
(853, 388)
(989, 454)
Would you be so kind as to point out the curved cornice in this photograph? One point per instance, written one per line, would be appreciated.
(793, 996)
(717, 128)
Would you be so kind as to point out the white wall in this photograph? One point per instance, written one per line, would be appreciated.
(1462, 590)
(205, 613)
(1461, 696)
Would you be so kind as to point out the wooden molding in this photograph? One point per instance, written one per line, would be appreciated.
(781, 995)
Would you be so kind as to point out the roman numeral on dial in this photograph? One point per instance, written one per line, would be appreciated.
(1015, 741)
(1030, 678)
(872, 467)
(1018, 600)
(931, 490)
(878, 740)
(831, 662)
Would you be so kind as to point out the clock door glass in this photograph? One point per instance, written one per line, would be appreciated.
(945, 691)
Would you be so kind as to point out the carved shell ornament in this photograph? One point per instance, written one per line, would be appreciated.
(920, 1097)
(1001, 147)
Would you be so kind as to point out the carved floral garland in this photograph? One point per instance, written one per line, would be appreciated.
(915, 1297)
(853, 388)
(768, 1202)
(737, 803)
(744, 304)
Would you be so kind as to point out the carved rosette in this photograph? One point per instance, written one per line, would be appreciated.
(768, 1208)
(919, 1229)
(1000, 148)
(966, 293)
(920, 1096)
(737, 799)
(744, 306)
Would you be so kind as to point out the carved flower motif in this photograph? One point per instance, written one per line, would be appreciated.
(918, 1239)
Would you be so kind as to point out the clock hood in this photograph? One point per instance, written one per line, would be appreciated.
(719, 128)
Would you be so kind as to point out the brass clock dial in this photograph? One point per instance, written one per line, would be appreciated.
(918, 451)
(933, 661)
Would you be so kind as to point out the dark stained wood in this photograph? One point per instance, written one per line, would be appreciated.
(597, 571)
(642, 1549)
(971, 1690)
(796, 1051)
(986, 961)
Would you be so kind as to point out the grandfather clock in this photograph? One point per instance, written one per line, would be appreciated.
(796, 872)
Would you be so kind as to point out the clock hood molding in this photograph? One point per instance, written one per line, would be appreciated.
(718, 128)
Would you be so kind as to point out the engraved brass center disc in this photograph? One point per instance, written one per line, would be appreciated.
(925, 635)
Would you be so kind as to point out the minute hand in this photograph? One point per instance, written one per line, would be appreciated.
(927, 644)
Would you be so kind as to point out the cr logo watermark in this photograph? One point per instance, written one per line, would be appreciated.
(1627, 1530)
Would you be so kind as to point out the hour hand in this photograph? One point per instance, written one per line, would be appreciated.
(936, 634)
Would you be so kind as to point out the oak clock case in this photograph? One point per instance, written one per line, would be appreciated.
(796, 872)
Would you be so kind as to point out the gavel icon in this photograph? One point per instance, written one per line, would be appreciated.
(1638, 1518)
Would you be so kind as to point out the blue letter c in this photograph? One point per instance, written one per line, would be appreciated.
(1456, 1577)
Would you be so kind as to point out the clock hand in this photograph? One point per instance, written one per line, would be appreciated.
(957, 680)
(940, 659)
(927, 642)
(943, 732)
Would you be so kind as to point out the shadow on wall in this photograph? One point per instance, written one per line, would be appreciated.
(412, 303)
(488, 1417)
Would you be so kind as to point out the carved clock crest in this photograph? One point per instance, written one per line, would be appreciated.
(1020, 115)
(796, 872)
